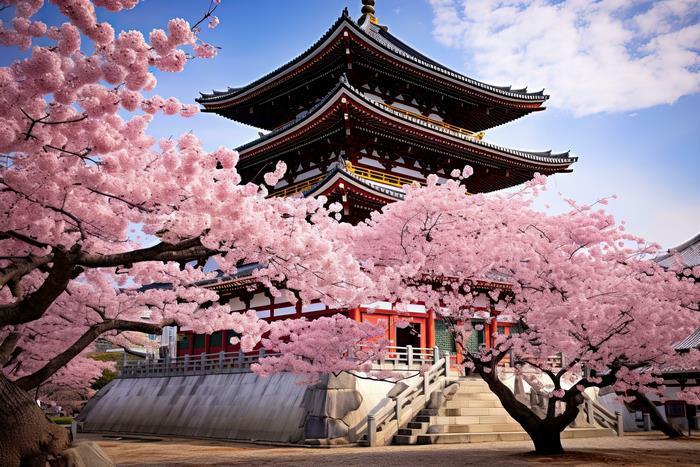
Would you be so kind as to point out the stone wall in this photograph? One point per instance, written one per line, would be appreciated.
(240, 406)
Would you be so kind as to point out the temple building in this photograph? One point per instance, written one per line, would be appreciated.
(356, 117)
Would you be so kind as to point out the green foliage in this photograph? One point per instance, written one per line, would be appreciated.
(61, 420)
(103, 380)
(106, 356)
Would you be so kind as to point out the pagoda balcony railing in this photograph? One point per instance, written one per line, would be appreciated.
(290, 190)
(362, 172)
(379, 176)
(461, 131)
(393, 358)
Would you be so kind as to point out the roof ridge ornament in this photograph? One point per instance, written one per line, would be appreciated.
(368, 11)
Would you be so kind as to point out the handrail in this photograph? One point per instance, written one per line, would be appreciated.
(476, 135)
(298, 187)
(399, 358)
(385, 419)
(597, 414)
(378, 176)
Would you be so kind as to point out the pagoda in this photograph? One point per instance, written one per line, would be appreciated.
(356, 117)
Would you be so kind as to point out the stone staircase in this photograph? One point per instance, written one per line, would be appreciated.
(474, 415)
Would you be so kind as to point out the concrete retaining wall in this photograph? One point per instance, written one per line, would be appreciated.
(240, 406)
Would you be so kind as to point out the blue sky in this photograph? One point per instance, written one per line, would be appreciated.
(633, 118)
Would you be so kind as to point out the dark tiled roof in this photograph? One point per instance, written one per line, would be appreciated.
(379, 35)
(688, 253)
(544, 157)
(690, 342)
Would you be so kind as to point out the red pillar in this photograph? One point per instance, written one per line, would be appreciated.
(223, 341)
(191, 337)
(354, 314)
(430, 330)
(493, 327)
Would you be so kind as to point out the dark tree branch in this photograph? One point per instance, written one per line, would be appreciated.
(59, 361)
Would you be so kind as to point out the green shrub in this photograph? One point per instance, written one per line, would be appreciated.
(61, 420)
(106, 377)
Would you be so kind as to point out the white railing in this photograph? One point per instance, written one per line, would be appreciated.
(394, 358)
(596, 414)
(392, 413)
(213, 363)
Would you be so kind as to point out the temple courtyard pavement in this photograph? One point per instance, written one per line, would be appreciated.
(648, 449)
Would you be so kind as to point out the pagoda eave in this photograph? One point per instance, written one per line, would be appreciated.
(376, 120)
(254, 104)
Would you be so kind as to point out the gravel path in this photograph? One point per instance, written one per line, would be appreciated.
(648, 449)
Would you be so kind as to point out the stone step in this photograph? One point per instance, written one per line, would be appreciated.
(479, 396)
(452, 438)
(464, 419)
(454, 411)
(473, 389)
(405, 439)
(468, 403)
(476, 428)
(418, 425)
(411, 431)
(471, 381)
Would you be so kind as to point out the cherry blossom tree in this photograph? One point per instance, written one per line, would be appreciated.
(97, 215)
(577, 284)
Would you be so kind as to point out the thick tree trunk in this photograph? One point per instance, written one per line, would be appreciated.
(668, 428)
(545, 433)
(547, 440)
(27, 437)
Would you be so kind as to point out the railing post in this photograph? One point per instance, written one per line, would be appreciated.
(426, 387)
(399, 403)
(436, 354)
(261, 353)
(447, 363)
(123, 362)
(202, 361)
(647, 422)
(186, 366)
(241, 355)
(409, 355)
(371, 430)
(221, 360)
(590, 416)
(620, 426)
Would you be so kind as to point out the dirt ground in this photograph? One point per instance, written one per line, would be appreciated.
(647, 449)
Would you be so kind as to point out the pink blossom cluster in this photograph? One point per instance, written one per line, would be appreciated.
(578, 282)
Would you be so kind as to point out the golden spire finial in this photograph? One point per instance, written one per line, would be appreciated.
(368, 10)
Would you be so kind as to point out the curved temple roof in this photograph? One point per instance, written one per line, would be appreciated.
(686, 254)
(379, 37)
(547, 158)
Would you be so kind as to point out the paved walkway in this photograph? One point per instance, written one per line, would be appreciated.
(648, 449)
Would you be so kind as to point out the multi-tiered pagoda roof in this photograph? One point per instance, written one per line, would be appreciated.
(360, 114)
(371, 57)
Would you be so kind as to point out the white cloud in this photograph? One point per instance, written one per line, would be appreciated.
(606, 56)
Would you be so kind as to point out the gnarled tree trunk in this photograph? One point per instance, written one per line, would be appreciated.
(545, 433)
(27, 437)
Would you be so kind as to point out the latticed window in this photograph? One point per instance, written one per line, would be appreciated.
(443, 337)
